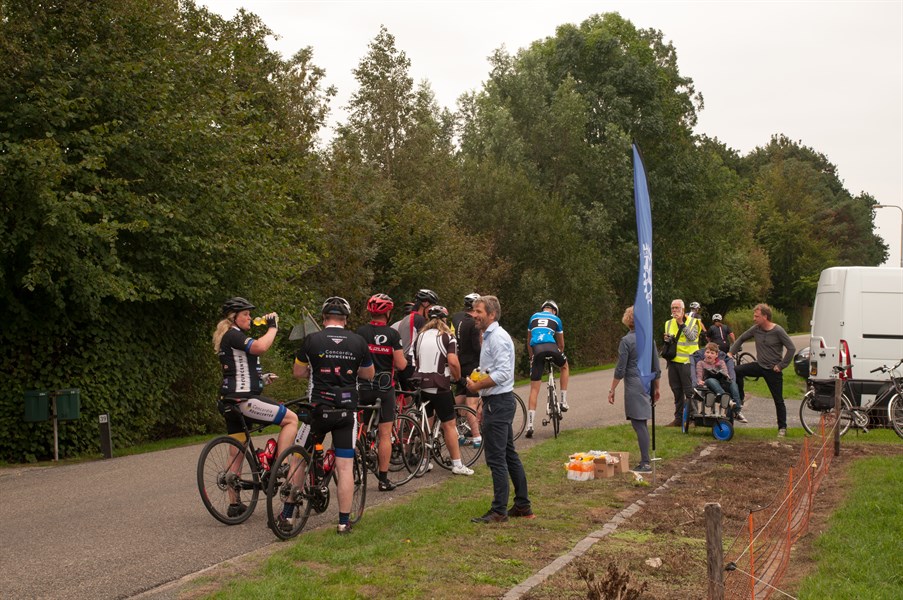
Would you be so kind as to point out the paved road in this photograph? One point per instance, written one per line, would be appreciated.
(117, 528)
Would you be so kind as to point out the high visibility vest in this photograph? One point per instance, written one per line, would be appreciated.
(685, 347)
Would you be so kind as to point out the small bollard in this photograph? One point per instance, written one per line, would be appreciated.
(106, 442)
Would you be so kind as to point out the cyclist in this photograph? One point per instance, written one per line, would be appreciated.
(696, 313)
(546, 334)
(243, 379)
(720, 333)
(469, 339)
(331, 360)
(409, 325)
(387, 354)
(437, 366)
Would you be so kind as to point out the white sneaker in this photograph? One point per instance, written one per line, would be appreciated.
(564, 406)
(741, 418)
(462, 470)
(782, 432)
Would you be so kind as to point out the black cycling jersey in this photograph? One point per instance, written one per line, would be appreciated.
(468, 336)
(383, 341)
(242, 374)
(334, 356)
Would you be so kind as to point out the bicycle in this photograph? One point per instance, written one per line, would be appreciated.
(434, 438)
(302, 479)
(553, 408)
(818, 401)
(408, 443)
(229, 471)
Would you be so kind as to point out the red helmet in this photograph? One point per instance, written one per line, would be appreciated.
(379, 304)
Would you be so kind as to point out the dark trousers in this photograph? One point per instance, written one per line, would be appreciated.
(775, 381)
(681, 385)
(501, 457)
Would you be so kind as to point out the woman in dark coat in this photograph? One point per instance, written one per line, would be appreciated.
(637, 402)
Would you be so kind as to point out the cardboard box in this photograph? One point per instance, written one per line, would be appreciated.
(624, 465)
(603, 469)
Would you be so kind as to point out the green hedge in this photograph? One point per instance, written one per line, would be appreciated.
(740, 319)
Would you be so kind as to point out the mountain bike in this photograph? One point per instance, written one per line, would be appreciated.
(229, 472)
(553, 408)
(819, 401)
(435, 440)
(302, 478)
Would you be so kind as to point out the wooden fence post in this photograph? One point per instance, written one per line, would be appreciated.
(714, 550)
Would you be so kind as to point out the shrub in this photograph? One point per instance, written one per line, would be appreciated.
(740, 319)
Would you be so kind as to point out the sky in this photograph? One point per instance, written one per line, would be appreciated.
(827, 74)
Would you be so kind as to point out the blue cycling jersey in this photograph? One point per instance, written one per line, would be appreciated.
(543, 327)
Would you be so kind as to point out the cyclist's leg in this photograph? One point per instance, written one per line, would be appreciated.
(537, 366)
(384, 432)
(266, 410)
(343, 425)
(564, 372)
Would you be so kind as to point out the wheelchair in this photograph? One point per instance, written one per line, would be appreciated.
(708, 409)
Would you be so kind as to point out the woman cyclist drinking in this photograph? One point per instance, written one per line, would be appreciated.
(243, 378)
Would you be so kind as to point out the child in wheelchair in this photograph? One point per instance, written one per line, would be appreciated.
(716, 382)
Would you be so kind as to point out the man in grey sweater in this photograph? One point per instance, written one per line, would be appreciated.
(770, 339)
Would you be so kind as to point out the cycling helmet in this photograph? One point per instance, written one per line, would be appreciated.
(379, 304)
(469, 299)
(236, 304)
(336, 305)
(549, 304)
(426, 296)
(717, 317)
(407, 308)
(437, 312)
(694, 306)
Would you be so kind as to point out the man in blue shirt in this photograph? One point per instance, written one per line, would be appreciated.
(497, 390)
(546, 341)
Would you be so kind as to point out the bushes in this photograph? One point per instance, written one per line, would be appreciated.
(741, 319)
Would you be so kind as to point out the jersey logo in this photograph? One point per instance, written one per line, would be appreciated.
(337, 341)
(380, 339)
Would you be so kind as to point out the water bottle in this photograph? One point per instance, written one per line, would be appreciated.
(328, 461)
(259, 321)
(267, 454)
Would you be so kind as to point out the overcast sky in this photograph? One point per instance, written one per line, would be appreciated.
(827, 74)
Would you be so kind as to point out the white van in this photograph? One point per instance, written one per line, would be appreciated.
(857, 320)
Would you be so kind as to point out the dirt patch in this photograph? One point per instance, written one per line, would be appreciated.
(670, 528)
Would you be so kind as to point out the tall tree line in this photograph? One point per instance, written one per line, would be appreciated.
(156, 158)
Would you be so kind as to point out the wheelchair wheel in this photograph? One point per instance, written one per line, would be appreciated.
(685, 421)
(723, 431)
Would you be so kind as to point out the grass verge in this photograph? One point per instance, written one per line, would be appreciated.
(859, 555)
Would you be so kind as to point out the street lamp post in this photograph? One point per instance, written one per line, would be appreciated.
(901, 226)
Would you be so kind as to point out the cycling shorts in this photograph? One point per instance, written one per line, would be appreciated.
(386, 409)
(340, 422)
(442, 403)
(256, 410)
(460, 387)
(538, 364)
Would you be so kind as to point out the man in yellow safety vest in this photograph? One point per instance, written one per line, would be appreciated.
(684, 329)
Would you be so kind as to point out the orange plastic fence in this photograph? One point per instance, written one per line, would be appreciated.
(770, 532)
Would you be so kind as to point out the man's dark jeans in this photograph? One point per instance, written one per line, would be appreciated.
(501, 457)
(775, 381)
(681, 385)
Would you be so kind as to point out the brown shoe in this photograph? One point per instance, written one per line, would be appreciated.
(490, 517)
(524, 512)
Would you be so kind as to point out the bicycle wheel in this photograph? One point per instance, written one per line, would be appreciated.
(469, 452)
(895, 414)
(554, 411)
(519, 425)
(685, 418)
(745, 358)
(811, 417)
(359, 499)
(293, 483)
(408, 449)
(226, 476)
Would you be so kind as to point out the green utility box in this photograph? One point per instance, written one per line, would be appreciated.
(68, 404)
(37, 406)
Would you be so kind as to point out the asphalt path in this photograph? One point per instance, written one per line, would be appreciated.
(135, 526)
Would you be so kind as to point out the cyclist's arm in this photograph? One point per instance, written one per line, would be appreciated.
(529, 347)
(300, 369)
(263, 343)
(366, 372)
(559, 339)
(454, 366)
(398, 359)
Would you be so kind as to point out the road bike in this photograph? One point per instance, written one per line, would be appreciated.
(435, 439)
(230, 475)
(553, 408)
(302, 478)
(407, 439)
(819, 401)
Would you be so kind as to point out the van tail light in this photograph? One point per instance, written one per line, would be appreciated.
(843, 359)
(813, 362)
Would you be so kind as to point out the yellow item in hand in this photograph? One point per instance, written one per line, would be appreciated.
(260, 321)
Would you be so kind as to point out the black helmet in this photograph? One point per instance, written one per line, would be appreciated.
(407, 308)
(336, 305)
(549, 304)
(469, 299)
(426, 296)
(437, 312)
(236, 304)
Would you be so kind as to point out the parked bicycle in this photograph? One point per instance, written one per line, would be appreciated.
(553, 408)
(301, 477)
(408, 443)
(819, 401)
(230, 472)
(435, 440)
